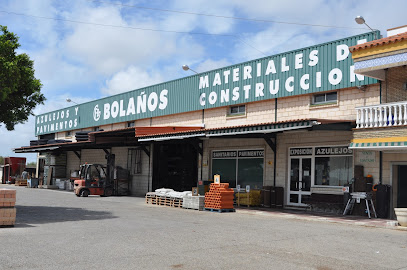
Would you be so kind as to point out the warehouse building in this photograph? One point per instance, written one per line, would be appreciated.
(283, 121)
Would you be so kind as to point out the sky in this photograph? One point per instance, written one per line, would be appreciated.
(86, 49)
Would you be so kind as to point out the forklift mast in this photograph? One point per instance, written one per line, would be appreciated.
(110, 169)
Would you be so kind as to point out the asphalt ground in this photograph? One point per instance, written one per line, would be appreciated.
(57, 230)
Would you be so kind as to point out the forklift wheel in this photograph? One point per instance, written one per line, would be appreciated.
(85, 193)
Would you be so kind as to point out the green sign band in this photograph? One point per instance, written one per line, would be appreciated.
(318, 68)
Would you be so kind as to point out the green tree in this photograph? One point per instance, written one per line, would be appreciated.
(19, 89)
(31, 164)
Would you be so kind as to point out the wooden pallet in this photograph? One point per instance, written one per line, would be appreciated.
(163, 201)
(6, 226)
(220, 210)
(151, 198)
(21, 183)
(177, 203)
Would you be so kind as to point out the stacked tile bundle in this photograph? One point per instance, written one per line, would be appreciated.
(219, 196)
(7, 207)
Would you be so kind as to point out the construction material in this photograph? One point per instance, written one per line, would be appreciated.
(21, 183)
(167, 197)
(32, 183)
(220, 210)
(220, 196)
(252, 198)
(7, 207)
(193, 202)
(48, 186)
(60, 183)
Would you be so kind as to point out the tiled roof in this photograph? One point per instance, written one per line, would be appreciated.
(322, 121)
(379, 42)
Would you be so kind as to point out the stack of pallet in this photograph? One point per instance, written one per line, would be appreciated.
(219, 198)
(166, 197)
(7, 207)
(21, 182)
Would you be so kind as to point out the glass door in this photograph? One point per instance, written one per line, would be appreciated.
(299, 181)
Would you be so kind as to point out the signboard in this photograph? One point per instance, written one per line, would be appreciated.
(322, 67)
(239, 154)
(301, 151)
(321, 151)
(247, 188)
(224, 154)
(238, 188)
(216, 179)
(333, 151)
(367, 157)
(251, 153)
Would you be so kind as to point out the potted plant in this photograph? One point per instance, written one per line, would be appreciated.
(401, 214)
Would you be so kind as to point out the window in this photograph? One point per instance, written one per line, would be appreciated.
(134, 161)
(325, 98)
(68, 134)
(242, 167)
(333, 171)
(96, 129)
(237, 110)
(130, 124)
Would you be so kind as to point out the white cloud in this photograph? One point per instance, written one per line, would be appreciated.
(130, 79)
(21, 136)
(195, 23)
(55, 73)
(109, 49)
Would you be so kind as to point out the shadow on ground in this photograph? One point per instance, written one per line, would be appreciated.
(29, 215)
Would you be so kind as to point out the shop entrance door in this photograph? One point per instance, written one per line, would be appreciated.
(402, 186)
(299, 181)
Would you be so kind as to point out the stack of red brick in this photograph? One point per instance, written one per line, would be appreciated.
(219, 196)
(7, 207)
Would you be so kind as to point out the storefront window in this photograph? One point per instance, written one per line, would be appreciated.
(243, 167)
(250, 172)
(333, 171)
(226, 168)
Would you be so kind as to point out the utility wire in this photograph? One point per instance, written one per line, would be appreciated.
(222, 16)
(115, 26)
(131, 27)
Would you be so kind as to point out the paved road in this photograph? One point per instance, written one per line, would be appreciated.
(57, 230)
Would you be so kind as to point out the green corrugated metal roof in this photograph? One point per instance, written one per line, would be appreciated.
(318, 68)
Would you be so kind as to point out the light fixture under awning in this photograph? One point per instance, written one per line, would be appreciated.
(35, 150)
(166, 138)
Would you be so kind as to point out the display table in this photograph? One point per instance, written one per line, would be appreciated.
(355, 198)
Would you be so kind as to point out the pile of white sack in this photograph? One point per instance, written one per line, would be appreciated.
(167, 192)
